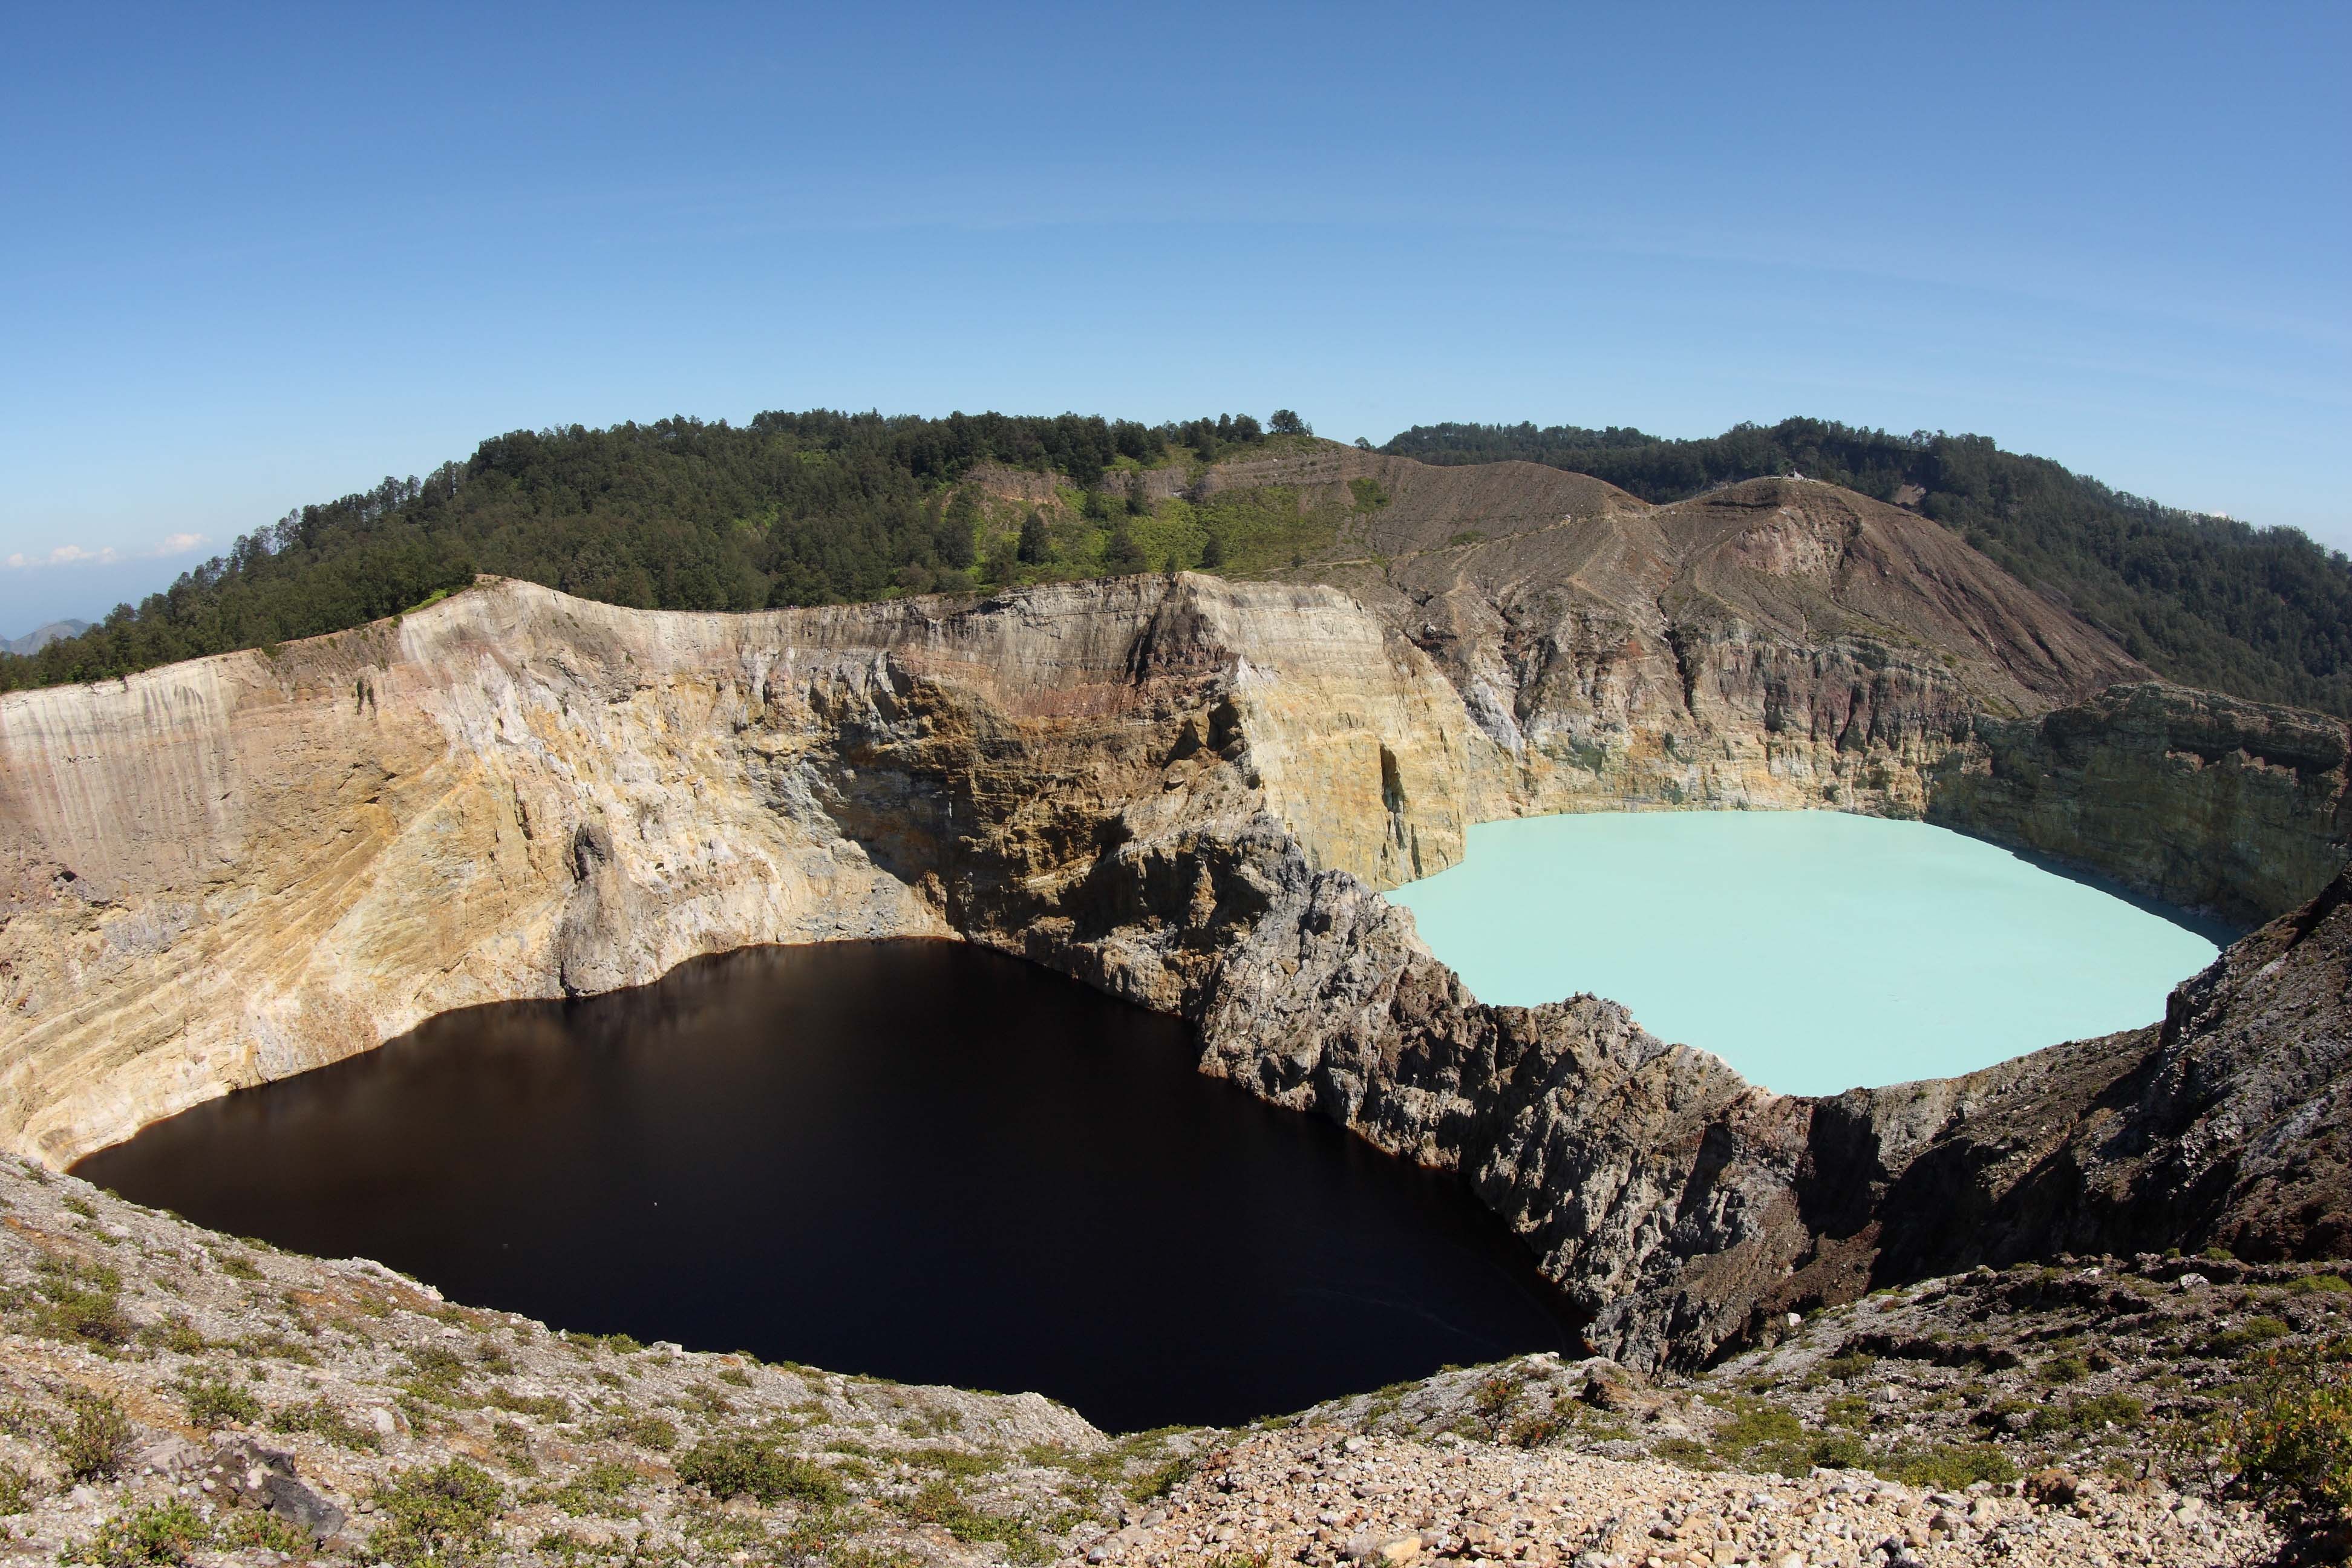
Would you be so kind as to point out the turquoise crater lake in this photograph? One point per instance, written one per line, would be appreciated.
(1813, 950)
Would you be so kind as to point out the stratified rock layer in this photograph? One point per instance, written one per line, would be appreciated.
(235, 870)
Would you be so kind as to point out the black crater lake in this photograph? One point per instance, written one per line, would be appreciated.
(917, 1160)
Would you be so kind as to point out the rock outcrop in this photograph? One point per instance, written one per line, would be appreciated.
(1684, 1209)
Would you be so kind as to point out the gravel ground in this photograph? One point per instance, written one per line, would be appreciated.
(1318, 1495)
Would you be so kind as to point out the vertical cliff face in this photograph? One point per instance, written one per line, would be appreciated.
(237, 868)
(2203, 800)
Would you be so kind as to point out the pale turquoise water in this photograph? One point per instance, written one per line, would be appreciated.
(1813, 950)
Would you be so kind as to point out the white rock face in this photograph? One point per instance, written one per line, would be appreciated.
(237, 868)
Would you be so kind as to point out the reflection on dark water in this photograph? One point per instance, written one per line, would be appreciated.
(917, 1160)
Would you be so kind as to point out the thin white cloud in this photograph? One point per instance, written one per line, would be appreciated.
(105, 555)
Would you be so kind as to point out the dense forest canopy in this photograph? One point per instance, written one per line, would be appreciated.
(792, 509)
(2261, 612)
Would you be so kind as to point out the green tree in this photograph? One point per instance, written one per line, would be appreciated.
(1037, 544)
(1122, 555)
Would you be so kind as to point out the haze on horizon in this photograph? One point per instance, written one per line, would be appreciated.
(263, 259)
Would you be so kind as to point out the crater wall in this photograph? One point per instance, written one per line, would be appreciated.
(233, 870)
(1185, 792)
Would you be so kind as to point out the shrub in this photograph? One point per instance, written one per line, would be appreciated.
(174, 1333)
(1534, 1431)
(2320, 1285)
(213, 1401)
(1838, 1451)
(322, 1420)
(952, 1462)
(1762, 1436)
(438, 1515)
(82, 1301)
(92, 1440)
(1687, 1453)
(15, 1489)
(247, 1529)
(726, 1466)
(2246, 1335)
(514, 1440)
(939, 1503)
(2292, 1444)
(861, 1554)
(546, 1406)
(1493, 1399)
(1846, 1368)
(2101, 1408)
(1948, 1466)
(598, 1490)
(161, 1532)
(645, 1431)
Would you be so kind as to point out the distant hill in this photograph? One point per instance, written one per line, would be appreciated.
(2263, 613)
(822, 507)
(791, 509)
(40, 638)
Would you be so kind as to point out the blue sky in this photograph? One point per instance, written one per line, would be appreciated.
(255, 257)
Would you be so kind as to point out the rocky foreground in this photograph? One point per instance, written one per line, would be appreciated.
(168, 1394)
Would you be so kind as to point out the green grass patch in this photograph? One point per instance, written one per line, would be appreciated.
(1948, 1467)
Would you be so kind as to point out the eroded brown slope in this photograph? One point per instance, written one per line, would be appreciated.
(1785, 643)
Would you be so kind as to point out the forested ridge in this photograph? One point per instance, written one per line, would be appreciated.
(824, 507)
(791, 509)
(2261, 612)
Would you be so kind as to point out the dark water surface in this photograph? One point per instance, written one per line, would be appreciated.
(917, 1160)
